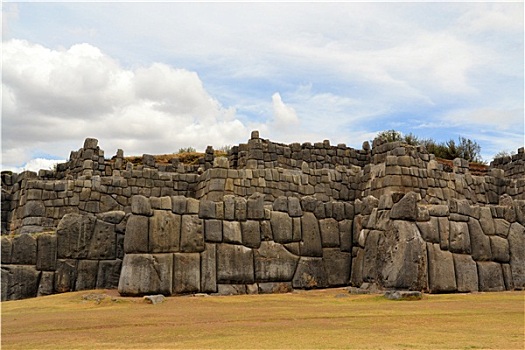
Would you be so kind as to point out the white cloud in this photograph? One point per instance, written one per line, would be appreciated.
(284, 116)
(55, 95)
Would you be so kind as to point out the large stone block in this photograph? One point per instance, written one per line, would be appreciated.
(294, 207)
(19, 282)
(186, 273)
(141, 205)
(65, 275)
(86, 274)
(486, 221)
(403, 255)
(459, 239)
(329, 233)
(207, 209)
(234, 264)
(251, 233)
(232, 232)
(146, 274)
(137, 233)
(500, 249)
(274, 263)
(7, 250)
(441, 272)
(108, 273)
(444, 233)
(311, 243)
(34, 209)
(430, 230)
(46, 284)
(466, 273)
(164, 232)
(213, 230)
(282, 227)
(345, 235)
(479, 242)
(74, 233)
(24, 250)
(255, 207)
(209, 269)
(46, 252)
(371, 261)
(337, 266)
(191, 236)
(517, 254)
(406, 208)
(490, 276)
(103, 243)
(274, 287)
(310, 274)
(356, 273)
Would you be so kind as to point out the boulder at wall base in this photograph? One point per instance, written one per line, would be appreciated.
(337, 266)
(441, 274)
(466, 273)
(403, 257)
(516, 239)
(234, 264)
(311, 241)
(146, 274)
(274, 263)
(490, 276)
(19, 282)
(310, 274)
(108, 273)
(186, 272)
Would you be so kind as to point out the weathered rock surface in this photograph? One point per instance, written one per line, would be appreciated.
(146, 274)
(273, 263)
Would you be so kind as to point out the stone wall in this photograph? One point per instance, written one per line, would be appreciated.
(269, 218)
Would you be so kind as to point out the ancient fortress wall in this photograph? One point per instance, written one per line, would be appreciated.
(270, 218)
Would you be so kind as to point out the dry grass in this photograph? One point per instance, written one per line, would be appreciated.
(315, 319)
(188, 158)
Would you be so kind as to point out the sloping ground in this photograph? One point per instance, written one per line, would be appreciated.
(307, 319)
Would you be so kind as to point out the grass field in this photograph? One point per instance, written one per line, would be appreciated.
(308, 319)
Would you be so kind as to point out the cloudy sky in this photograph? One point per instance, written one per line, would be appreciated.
(155, 77)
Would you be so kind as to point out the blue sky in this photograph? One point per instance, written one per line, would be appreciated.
(155, 77)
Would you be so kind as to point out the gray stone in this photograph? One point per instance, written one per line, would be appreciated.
(356, 273)
(178, 205)
(65, 275)
(371, 256)
(140, 205)
(266, 231)
(294, 207)
(308, 203)
(7, 250)
(46, 252)
(86, 274)
(441, 273)
(479, 242)
(311, 243)
(231, 289)
(273, 263)
(137, 232)
(281, 204)
(329, 233)
(337, 266)
(403, 295)
(345, 235)
(232, 232)
(164, 232)
(19, 282)
(275, 287)
(34, 209)
(500, 249)
(24, 250)
(112, 217)
(209, 269)
(191, 236)
(507, 276)
(234, 264)
(146, 274)
(186, 273)
(192, 206)
(281, 227)
(213, 230)
(240, 208)
(406, 208)
(310, 274)
(490, 276)
(430, 230)
(502, 227)
(207, 209)
(444, 233)
(251, 233)
(486, 221)
(46, 284)
(517, 254)
(229, 207)
(438, 210)
(459, 240)
(369, 203)
(154, 299)
(466, 273)
(297, 234)
(255, 207)
(74, 234)
(403, 257)
(108, 274)
(103, 241)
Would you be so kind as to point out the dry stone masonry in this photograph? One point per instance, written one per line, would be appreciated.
(270, 218)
